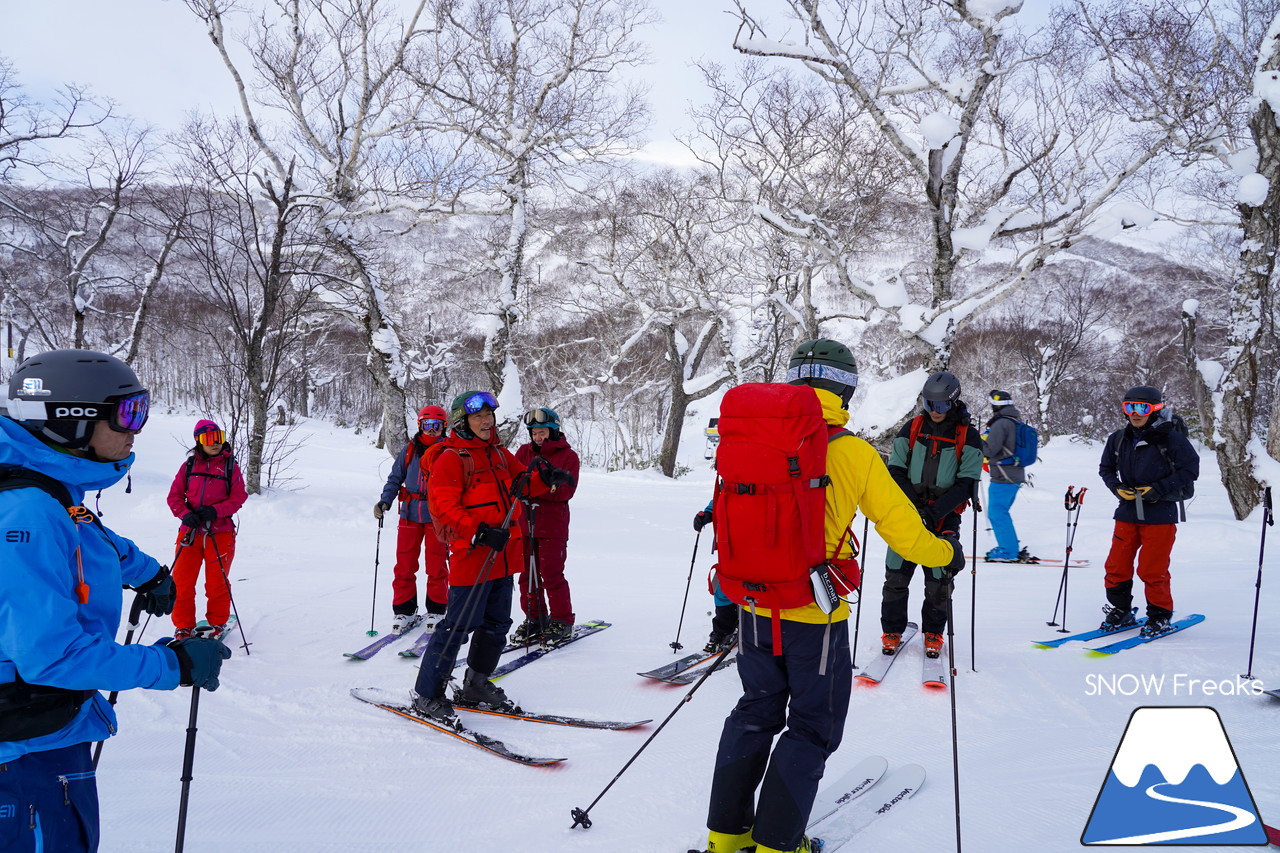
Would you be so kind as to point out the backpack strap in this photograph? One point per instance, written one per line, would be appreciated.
(24, 478)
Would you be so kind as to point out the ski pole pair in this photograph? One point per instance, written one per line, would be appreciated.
(1072, 503)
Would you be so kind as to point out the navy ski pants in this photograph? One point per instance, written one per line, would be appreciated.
(49, 802)
(780, 694)
(484, 608)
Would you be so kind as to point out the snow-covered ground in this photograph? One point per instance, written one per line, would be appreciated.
(287, 761)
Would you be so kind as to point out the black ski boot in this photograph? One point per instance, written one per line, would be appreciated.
(1117, 618)
(436, 709)
(478, 690)
(1158, 622)
(528, 633)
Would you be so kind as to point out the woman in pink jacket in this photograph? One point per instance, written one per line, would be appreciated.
(207, 491)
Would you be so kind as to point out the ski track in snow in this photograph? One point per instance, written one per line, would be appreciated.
(287, 761)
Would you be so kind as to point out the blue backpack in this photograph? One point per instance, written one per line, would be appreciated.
(1026, 445)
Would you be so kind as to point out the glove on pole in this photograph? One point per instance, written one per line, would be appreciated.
(1267, 521)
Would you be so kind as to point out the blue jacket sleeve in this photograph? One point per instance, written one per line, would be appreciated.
(395, 479)
(136, 567)
(50, 637)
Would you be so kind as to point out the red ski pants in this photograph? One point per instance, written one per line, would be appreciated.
(548, 594)
(414, 538)
(1151, 544)
(214, 551)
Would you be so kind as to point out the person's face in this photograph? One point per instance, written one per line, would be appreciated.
(481, 423)
(1138, 420)
(211, 449)
(108, 444)
(936, 417)
(539, 435)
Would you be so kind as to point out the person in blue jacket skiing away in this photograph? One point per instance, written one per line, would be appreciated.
(68, 428)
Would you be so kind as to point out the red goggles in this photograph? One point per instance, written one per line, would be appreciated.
(211, 437)
(1136, 407)
(430, 425)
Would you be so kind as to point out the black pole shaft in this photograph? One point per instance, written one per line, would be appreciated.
(188, 762)
(226, 579)
(373, 605)
(675, 644)
(581, 817)
(135, 613)
(973, 592)
(535, 577)
(857, 619)
(1267, 521)
(955, 739)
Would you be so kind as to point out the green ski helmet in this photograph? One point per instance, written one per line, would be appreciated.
(824, 364)
(468, 404)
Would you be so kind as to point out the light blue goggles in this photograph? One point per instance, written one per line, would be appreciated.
(822, 371)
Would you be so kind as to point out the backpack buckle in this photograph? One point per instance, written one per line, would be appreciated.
(754, 587)
(793, 466)
(744, 488)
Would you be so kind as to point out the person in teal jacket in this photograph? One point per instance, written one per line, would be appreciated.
(69, 428)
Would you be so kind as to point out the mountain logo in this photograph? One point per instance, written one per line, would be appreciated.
(1175, 780)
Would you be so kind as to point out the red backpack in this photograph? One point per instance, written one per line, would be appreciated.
(770, 500)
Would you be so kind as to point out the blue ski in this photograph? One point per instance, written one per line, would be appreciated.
(1130, 642)
(419, 645)
(379, 644)
(1087, 635)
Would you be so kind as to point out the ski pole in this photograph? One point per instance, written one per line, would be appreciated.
(188, 761)
(536, 599)
(373, 607)
(1072, 502)
(581, 817)
(973, 593)
(217, 552)
(675, 644)
(955, 739)
(135, 613)
(857, 618)
(1267, 521)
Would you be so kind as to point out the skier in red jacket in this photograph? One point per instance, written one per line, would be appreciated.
(544, 591)
(414, 536)
(206, 492)
(474, 497)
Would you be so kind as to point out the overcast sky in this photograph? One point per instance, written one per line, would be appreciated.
(153, 59)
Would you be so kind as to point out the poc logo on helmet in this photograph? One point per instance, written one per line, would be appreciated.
(75, 412)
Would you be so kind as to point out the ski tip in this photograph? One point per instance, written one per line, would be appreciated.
(935, 685)
(1097, 653)
(867, 680)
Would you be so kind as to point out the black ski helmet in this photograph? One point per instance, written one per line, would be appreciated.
(1143, 394)
(59, 395)
(1001, 398)
(941, 386)
(825, 364)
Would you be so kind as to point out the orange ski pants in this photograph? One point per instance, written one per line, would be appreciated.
(1151, 544)
(214, 551)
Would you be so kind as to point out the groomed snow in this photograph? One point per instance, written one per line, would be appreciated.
(287, 761)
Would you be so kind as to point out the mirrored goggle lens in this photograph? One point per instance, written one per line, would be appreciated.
(430, 425)
(536, 416)
(476, 402)
(130, 414)
(211, 437)
(1133, 407)
(822, 371)
(939, 406)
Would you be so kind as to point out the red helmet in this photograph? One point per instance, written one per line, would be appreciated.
(432, 412)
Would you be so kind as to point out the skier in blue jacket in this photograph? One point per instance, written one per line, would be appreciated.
(69, 428)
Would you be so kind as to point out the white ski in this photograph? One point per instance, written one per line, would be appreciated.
(879, 666)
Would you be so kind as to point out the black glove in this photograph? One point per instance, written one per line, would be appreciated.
(200, 660)
(928, 516)
(491, 537)
(379, 508)
(950, 570)
(191, 519)
(206, 513)
(554, 476)
(158, 593)
(701, 520)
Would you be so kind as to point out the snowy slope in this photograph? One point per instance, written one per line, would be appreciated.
(287, 761)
